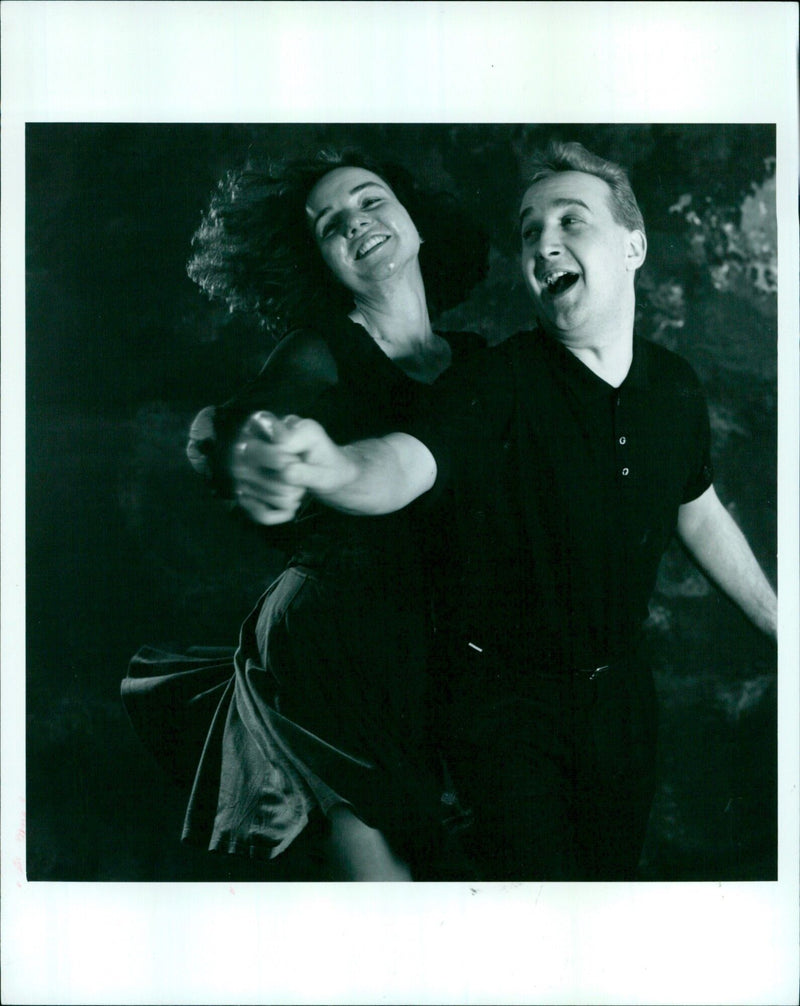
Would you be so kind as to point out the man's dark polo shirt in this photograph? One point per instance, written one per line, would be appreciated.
(566, 494)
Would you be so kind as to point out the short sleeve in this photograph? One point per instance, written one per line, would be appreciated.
(701, 468)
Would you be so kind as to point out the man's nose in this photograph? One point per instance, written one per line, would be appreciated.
(549, 243)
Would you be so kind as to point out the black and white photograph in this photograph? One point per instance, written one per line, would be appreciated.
(166, 563)
(403, 502)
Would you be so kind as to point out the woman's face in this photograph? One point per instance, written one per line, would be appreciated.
(363, 232)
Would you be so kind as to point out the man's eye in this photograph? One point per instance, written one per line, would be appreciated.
(570, 221)
(529, 233)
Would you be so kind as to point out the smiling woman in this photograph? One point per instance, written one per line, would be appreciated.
(255, 251)
(369, 242)
(311, 741)
(363, 231)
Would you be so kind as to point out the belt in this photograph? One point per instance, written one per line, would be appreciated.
(583, 672)
(574, 673)
(591, 672)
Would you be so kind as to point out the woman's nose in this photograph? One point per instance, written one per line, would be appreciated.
(354, 222)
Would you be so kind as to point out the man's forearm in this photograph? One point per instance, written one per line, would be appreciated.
(276, 460)
(385, 475)
(720, 549)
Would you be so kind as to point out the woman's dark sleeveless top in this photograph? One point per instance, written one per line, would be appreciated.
(327, 690)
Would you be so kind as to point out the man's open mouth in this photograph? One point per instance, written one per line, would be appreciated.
(370, 244)
(556, 283)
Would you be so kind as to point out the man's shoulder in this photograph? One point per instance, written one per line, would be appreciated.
(464, 342)
(664, 366)
(482, 356)
(505, 361)
(523, 337)
(525, 344)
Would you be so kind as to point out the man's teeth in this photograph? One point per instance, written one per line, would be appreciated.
(370, 243)
(557, 282)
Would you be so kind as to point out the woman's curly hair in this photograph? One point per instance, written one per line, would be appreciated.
(254, 250)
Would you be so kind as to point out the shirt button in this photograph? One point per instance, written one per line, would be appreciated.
(623, 440)
(625, 471)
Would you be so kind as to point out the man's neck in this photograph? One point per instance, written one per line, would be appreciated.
(605, 346)
(610, 362)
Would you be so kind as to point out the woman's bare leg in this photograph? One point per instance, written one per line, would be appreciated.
(357, 852)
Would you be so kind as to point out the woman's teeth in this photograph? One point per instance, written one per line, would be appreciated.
(370, 243)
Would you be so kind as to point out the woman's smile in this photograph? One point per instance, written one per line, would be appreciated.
(371, 243)
(353, 214)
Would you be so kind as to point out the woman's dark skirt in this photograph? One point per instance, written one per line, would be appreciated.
(322, 704)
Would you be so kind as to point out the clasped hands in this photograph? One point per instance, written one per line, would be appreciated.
(275, 462)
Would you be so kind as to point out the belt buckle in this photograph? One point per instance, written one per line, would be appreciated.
(598, 670)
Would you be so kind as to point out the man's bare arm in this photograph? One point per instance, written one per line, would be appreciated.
(369, 477)
(716, 543)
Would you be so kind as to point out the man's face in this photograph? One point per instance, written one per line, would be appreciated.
(577, 261)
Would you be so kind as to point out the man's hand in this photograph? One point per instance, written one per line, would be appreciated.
(276, 461)
(310, 460)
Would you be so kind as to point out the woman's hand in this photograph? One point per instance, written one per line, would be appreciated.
(257, 463)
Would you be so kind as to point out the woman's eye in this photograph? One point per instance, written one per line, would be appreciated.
(369, 201)
(570, 221)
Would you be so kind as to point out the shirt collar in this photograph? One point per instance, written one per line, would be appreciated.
(583, 380)
(639, 373)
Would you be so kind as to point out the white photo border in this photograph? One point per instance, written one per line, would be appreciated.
(394, 62)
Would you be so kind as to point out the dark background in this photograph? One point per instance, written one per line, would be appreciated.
(124, 546)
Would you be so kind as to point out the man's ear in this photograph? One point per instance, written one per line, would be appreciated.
(636, 250)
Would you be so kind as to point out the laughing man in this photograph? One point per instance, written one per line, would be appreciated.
(571, 458)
